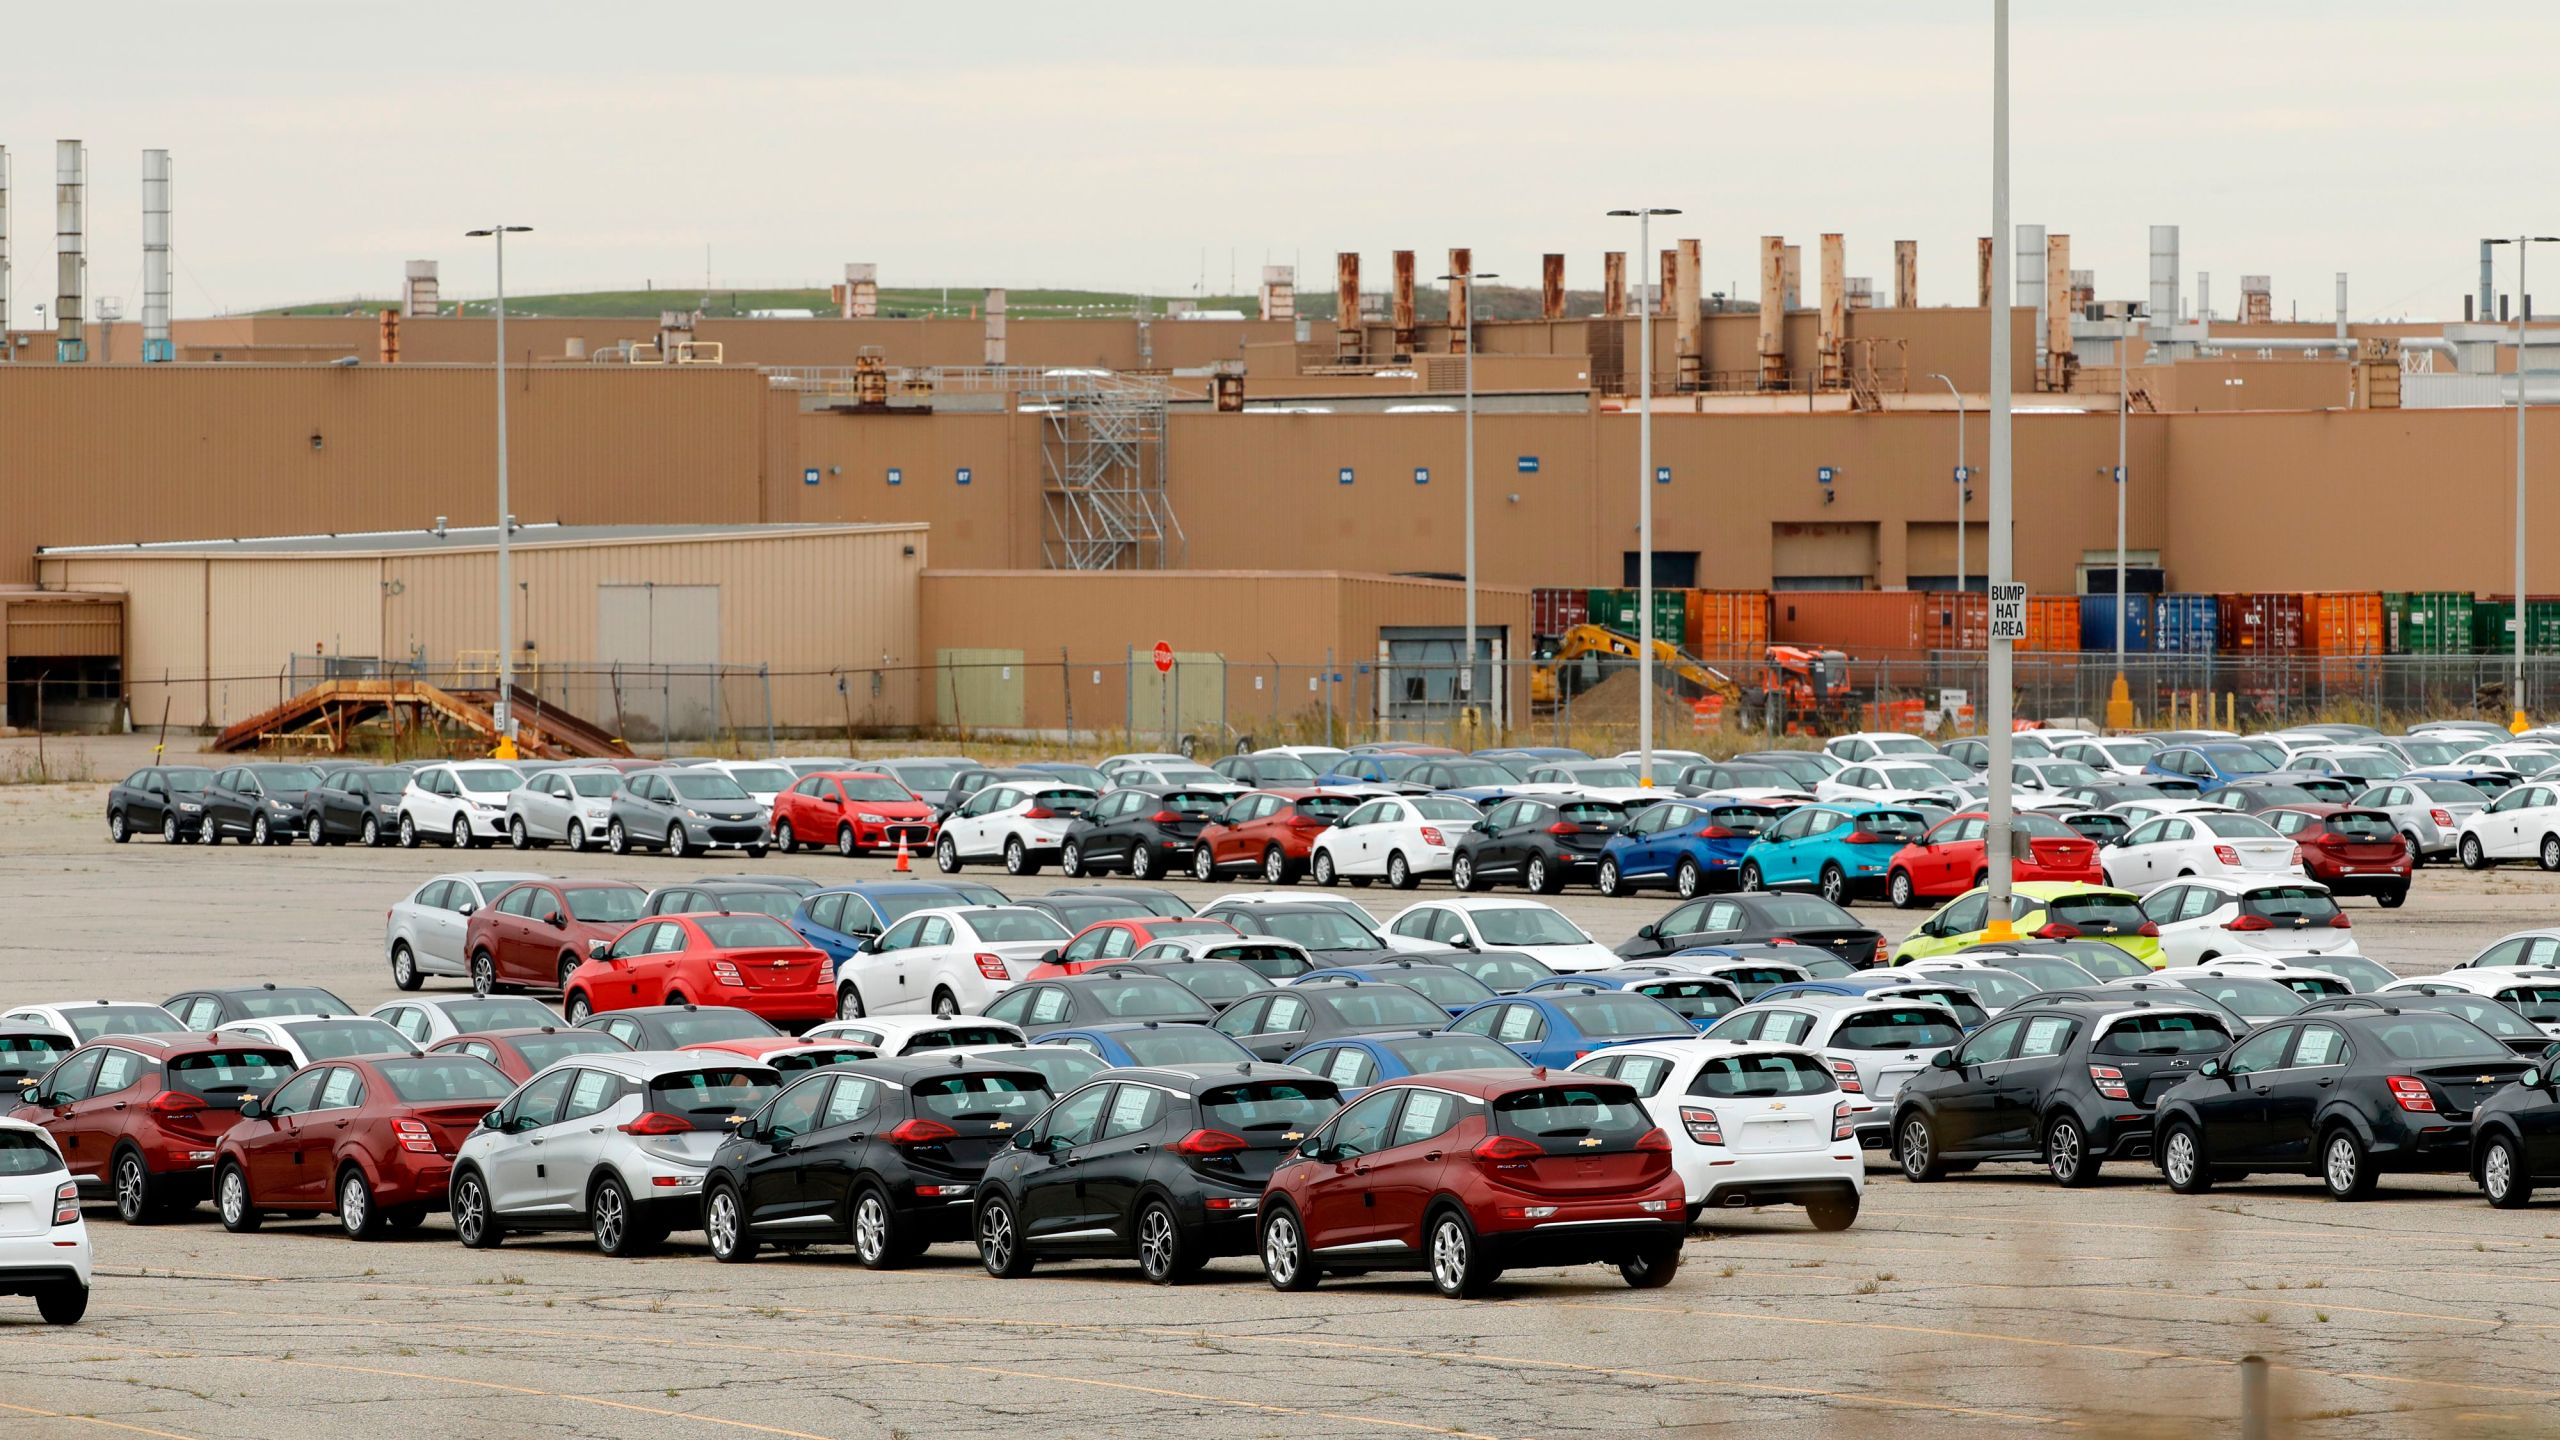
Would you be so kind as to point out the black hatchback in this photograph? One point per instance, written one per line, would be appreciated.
(2068, 1086)
(1543, 843)
(1163, 1164)
(2344, 1096)
(1144, 831)
(1758, 917)
(881, 1154)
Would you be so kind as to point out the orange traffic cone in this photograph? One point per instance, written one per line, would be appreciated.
(902, 866)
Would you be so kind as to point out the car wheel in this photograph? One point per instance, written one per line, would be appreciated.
(1017, 858)
(116, 829)
(408, 832)
(316, 833)
(946, 856)
(2066, 1154)
(1835, 885)
(1204, 865)
(1837, 1213)
(473, 1222)
(1903, 893)
(1321, 868)
(2550, 853)
(1071, 861)
(231, 1200)
(849, 1004)
(2182, 1160)
(1688, 880)
(2473, 857)
(357, 1214)
(1000, 1246)
(1142, 862)
(137, 1199)
(1541, 877)
(1162, 1254)
(1458, 1266)
(1285, 1260)
(463, 839)
(2502, 1174)
(724, 1224)
(1275, 867)
(2345, 1167)
(568, 966)
(845, 845)
(879, 1237)
(168, 829)
(63, 1304)
(618, 1229)
(2417, 852)
(404, 967)
(785, 839)
(1652, 1268)
(484, 974)
(678, 844)
(519, 836)
(259, 834)
(575, 837)
(2392, 899)
(945, 1004)
(1751, 876)
(575, 1009)
(1462, 873)
(755, 852)
(1917, 1151)
(372, 831)
(617, 841)
(1400, 871)
(1607, 882)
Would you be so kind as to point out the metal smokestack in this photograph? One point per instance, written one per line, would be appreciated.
(2342, 304)
(2164, 280)
(2488, 279)
(71, 261)
(156, 346)
(2030, 284)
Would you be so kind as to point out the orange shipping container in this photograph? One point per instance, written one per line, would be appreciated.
(2344, 622)
(1868, 624)
(1953, 620)
(2053, 623)
(1727, 624)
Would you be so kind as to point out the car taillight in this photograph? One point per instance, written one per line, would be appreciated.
(2057, 930)
(992, 966)
(2412, 1094)
(2441, 817)
(1165, 817)
(1499, 1149)
(657, 1123)
(2248, 922)
(1305, 821)
(920, 1132)
(176, 1102)
(1208, 1142)
(1039, 812)
(726, 972)
(2340, 921)
(1869, 837)
(1716, 832)
(2110, 1082)
(414, 1136)
(1655, 1139)
(1702, 1125)
(2297, 849)
(1564, 827)
(66, 1204)
(2231, 857)
(1431, 835)
(1847, 1071)
(1883, 956)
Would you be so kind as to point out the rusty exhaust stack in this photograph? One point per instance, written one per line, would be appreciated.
(1462, 261)
(1613, 284)
(1551, 287)
(1668, 281)
(388, 350)
(995, 326)
(1835, 306)
(1773, 312)
(1906, 274)
(1690, 358)
(1793, 289)
(1982, 271)
(1349, 343)
(1403, 304)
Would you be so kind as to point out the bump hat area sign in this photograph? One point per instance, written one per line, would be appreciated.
(1164, 657)
(2009, 610)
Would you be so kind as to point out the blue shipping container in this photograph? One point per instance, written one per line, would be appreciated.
(2098, 622)
(2185, 624)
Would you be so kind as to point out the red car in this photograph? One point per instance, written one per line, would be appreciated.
(139, 1116)
(1104, 941)
(853, 810)
(1467, 1173)
(2353, 852)
(749, 961)
(1949, 860)
(789, 1054)
(535, 933)
(519, 1053)
(371, 1141)
(1271, 831)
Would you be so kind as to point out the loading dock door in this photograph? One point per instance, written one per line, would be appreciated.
(665, 641)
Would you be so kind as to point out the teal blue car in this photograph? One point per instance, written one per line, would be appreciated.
(1840, 851)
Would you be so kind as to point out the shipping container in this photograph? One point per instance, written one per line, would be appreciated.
(2343, 622)
(1555, 609)
(2260, 623)
(2098, 623)
(2427, 622)
(1955, 621)
(1616, 610)
(2184, 624)
(2053, 623)
(2493, 629)
(1865, 623)
(1726, 624)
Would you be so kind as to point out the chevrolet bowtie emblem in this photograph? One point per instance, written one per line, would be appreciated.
(1778, 1105)
(1294, 1135)
(999, 1124)
(781, 964)
(1591, 1142)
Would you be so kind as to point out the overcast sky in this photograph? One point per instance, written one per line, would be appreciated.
(317, 144)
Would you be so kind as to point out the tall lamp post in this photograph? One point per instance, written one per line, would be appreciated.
(2119, 697)
(1467, 666)
(1996, 843)
(1644, 491)
(502, 713)
(1963, 489)
(2523, 243)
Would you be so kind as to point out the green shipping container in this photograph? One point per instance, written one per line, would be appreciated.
(1616, 610)
(2492, 632)
(2428, 622)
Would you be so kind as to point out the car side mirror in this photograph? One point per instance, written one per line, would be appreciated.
(2533, 1077)
(30, 1092)
(556, 920)
(1027, 1140)
(1648, 931)
(250, 1109)
(596, 949)
(494, 1120)
(1049, 957)
(1311, 1148)
(2211, 1070)
(1944, 1060)
(469, 908)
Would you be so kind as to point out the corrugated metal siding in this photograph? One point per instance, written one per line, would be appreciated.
(87, 627)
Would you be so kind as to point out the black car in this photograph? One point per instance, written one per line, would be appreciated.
(2103, 826)
(1040, 1006)
(28, 1050)
(212, 1009)
(2342, 1096)
(927, 777)
(2515, 1136)
(2254, 793)
(1329, 934)
(2498, 1018)
(1764, 916)
(1461, 773)
(2069, 1086)
(1145, 831)
(1220, 982)
(1273, 960)
(722, 897)
(673, 1027)
(355, 802)
(261, 803)
(1263, 772)
(881, 1154)
(1164, 1164)
(162, 800)
(1543, 843)
(1162, 903)
(1280, 1024)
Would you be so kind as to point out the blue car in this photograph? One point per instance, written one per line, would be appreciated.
(1701, 999)
(1554, 1028)
(1356, 1062)
(1387, 770)
(1449, 988)
(838, 919)
(2211, 765)
(1151, 1042)
(1840, 851)
(1693, 846)
(1968, 1010)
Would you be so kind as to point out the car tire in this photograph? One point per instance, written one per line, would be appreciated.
(231, 1200)
(1204, 865)
(518, 834)
(357, 1214)
(169, 830)
(617, 840)
(1321, 869)
(1915, 1149)
(1276, 869)
(614, 1221)
(1607, 882)
(1286, 1261)
(1458, 1266)
(2182, 1161)
(371, 833)
(1462, 873)
(1164, 1257)
(2417, 852)
(1071, 860)
(946, 1006)
(1017, 857)
(946, 856)
(2345, 1166)
(1834, 1214)
(1142, 862)
(576, 1009)
(1751, 876)
(575, 837)
(474, 1223)
(2549, 853)
(117, 830)
(1400, 874)
(786, 839)
(259, 833)
(724, 1225)
(1542, 877)
(1834, 884)
(2473, 856)
(845, 845)
(1000, 1246)
(2066, 1154)
(2503, 1179)
(2392, 899)
(1901, 891)
(404, 967)
(1651, 1268)
(63, 1304)
(462, 838)
(849, 1003)
(138, 1200)
(678, 845)
(880, 1238)
(1687, 879)
(316, 832)
(484, 974)
(568, 966)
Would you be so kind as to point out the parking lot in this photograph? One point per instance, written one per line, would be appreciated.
(1986, 1302)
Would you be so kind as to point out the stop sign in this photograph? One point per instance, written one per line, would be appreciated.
(1164, 657)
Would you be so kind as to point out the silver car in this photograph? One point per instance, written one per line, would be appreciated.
(435, 1018)
(2427, 813)
(615, 1145)
(684, 811)
(424, 934)
(569, 806)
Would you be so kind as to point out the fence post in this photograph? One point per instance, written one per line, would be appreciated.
(2253, 1397)
(764, 673)
(1328, 695)
(666, 713)
(1067, 691)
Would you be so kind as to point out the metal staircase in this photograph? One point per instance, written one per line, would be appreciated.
(1103, 501)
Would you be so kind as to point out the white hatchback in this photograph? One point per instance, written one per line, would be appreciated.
(570, 806)
(310, 1039)
(461, 803)
(1399, 839)
(44, 1245)
(1750, 1124)
(1523, 927)
(915, 1034)
(2523, 824)
(1874, 1047)
(2206, 917)
(1019, 823)
(2202, 842)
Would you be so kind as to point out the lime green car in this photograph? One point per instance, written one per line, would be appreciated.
(2044, 909)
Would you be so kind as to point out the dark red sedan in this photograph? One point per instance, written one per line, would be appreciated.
(1466, 1173)
(1272, 832)
(534, 934)
(519, 1053)
(371, 1141)
(748, 960)
(138, 1116)
(2353, 852)
(1950, 859)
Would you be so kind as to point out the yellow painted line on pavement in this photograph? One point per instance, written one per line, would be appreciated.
(92, 1420)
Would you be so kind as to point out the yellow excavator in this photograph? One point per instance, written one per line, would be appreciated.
(1796, 685)
(1548, 682)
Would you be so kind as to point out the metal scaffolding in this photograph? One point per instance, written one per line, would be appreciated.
(1103, 497)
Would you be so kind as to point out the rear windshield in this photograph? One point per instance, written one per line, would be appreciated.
(1271, 962)
(2238, 827)
(1803, 912)
(1693, 999)
(925, 778)
(2488, 1014)
(1749, 981)
(738, 932)
(288, 777)
(1592, 812)
(605, 907)
(1505, 973)
(1428, 1054)
(1065, 1065)
(1742, 819)
(26, 1152)
(1194, 802)
(1172, 929)
(1441, 987)
(435, 1079)
(2437, 1037)
(91, 1021)
(1912, 1029)
(776, 903)
(1218, 984)
(1148, 998)
(764, 778)
(701, 1027)
(2046, 972)
(2098, 825)
(186, 782)
(1892, 824)
(1064, 802)
(1442, 807)
(2235, 760)
(2289, 903)
(2538, 1003)
(712, 1090)
(30, 1051)
(704, 785)
(875, 787)
(258, 1004)
(951, 1037)
(538, 1051)
(982, 1097)
(228, 1072)
(1079, 913)
(1181, 1045)
(337, 1039)
(2252, 999)
(1560, 1117)
(1959, 1002)
(497, 1013)
(1269, 1107)
(1761, 1077)
(1527, 925)
(1378, 1007)
(2092, 909)
(1326, 929)
(2361, 825)
(1015, 925)
(381, 782)
(2454, 791)
(1327, 807)
(595, 786)
(2163, 1035)
(2044, 827)
(1998, 989)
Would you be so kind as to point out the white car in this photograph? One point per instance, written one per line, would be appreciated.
(2205, 917)
(44, 1244)
(1750, 1124)
(1875, 745)
(423, 934)
(2523, 950)
(615, 1145)
(1398, 839)
(2308, 981)
(2523, 824)
(1884, 782)
(916, 1034)
(1874, 1047)
(2522, 758)
(1591, 779)
(2137, 811)
(1974, 991)
(314, 1038)
(945, 962)
(2205, 842)
(568, 806)
(1110, 764)
(1524, 927)
(1018, 822)
(458, 802)
(761, 779)
(433, 1018)
(2114, 758)
(1662, 759)
(804, 766)
(2361, 976)
(1177, 773)
(2038, 778)
(86, 1020)
(2532, 993)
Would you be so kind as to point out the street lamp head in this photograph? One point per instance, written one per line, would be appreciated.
(496, 230)
(1653, 210)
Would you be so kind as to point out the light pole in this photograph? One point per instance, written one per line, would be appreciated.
(1996, 842)
(502, 712)
(1644, 491)
(1962, 488)
(2522, 243)
(2120, 698)
(1467, 665)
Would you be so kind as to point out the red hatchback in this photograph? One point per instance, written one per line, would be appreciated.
(371, 1141)
(1270, 831)
(1467, 1173)
(853, 810)
(2353, 852)
(535, 933)
(1104, 941)
(749, 961)
(139, 1116)
(1950, 859)
(518, 1054)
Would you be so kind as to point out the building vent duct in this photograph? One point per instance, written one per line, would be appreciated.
(2204, 296)
(1906, 274)
(2257, 299)
(2164, 280)
(1613, 284)
(1551, 287)
(155, 258)
(995, 326)
(70, 248)
(859, 297)
(2342, 304)
(1462, 295)
(418, 294)
(1400, 308)
(1349, 340)
(1279, 292)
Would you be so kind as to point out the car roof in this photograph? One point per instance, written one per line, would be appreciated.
(648, 1064)
(1196, 1077)
(905, 1025)
(1483, 1084)
(906, 1070)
